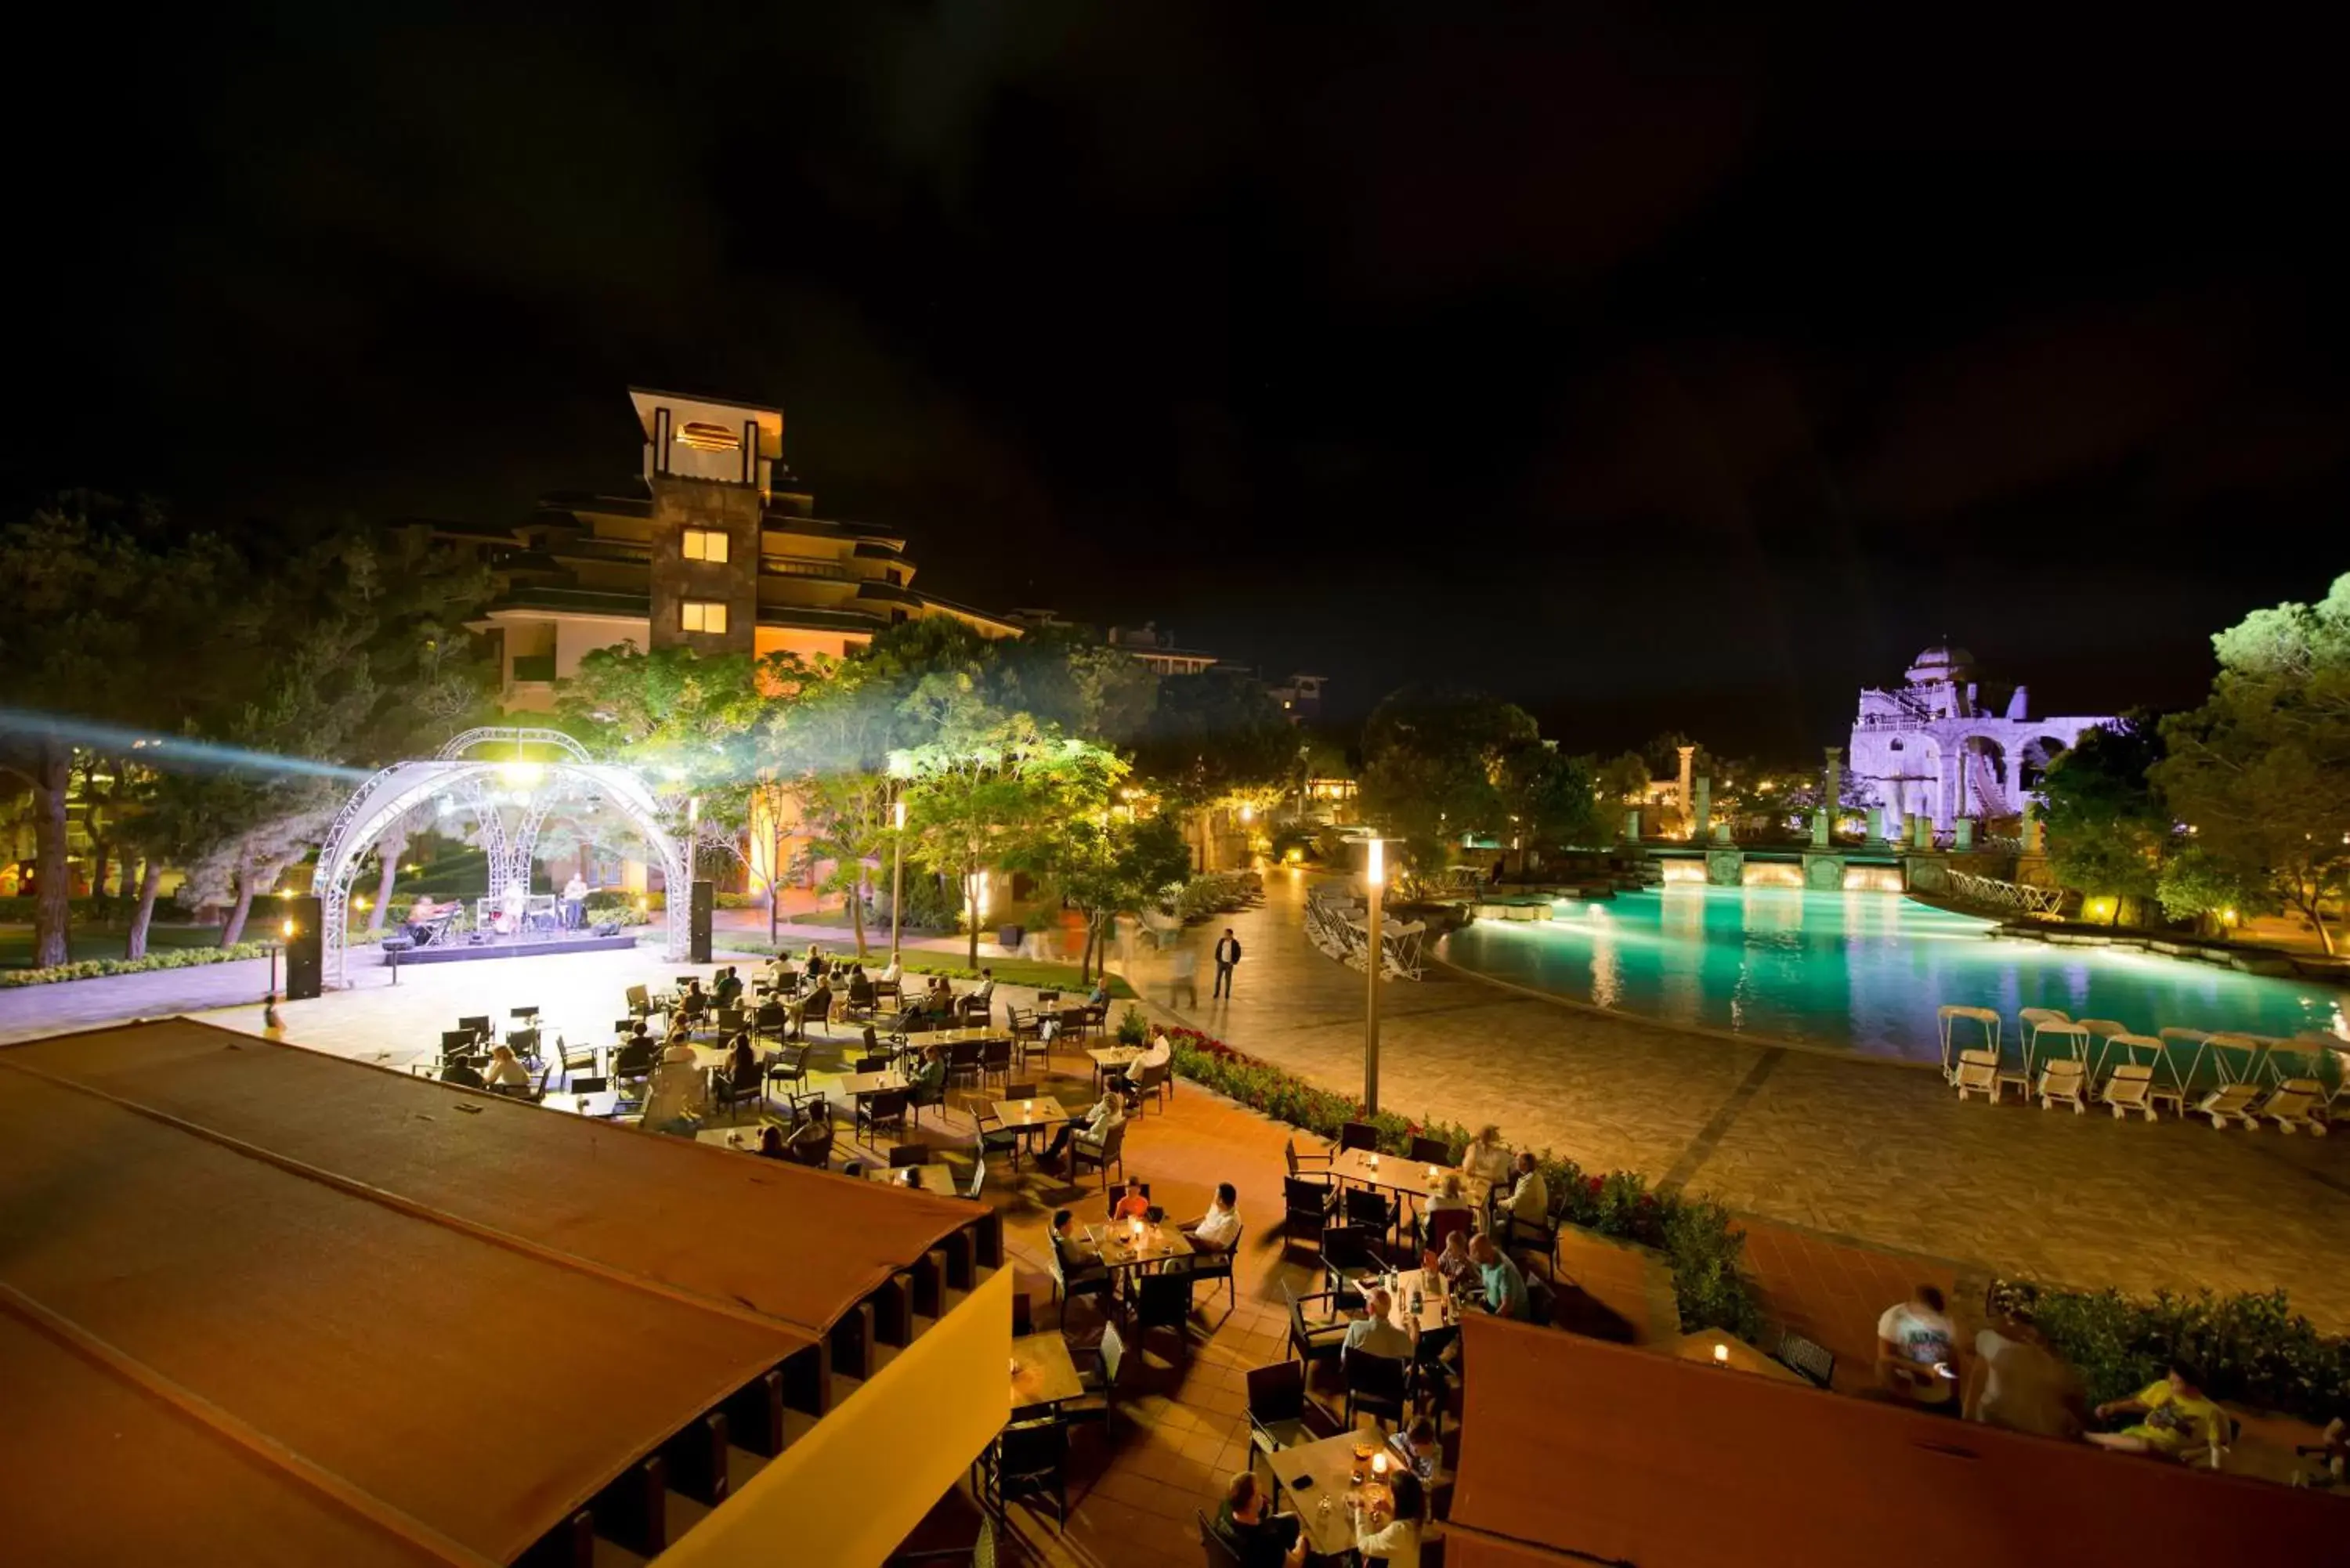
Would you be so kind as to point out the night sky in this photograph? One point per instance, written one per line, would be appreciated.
(1654, 381)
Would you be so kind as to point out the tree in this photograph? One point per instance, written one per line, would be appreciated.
(1215, 735)
(2199, 886)
(2261, 772)
(1107, 867)
(999, 789)
(2108, 828)
(103, 597)
(1551, 798)
(1624, 778)
(1434, 758)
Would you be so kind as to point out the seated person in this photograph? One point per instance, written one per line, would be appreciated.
(2173, 1415)
(1099, 996)
(676, 1099)
(2017, 1384)
(421, 915)
(1080, 1262)
(771, 1143)
(1258, 1537)
(891, 974)
(810, 1142)
(741, 1059)
(1107, 1112)
(928, 1080)
(462, 1073)
(729, 990)
(911, 1176)
(1529, 1200)
(1915, 1345)
(1160, 1053)
(1220, 1227)
(1485, 1159)
(984, 994)
(1460, 1269)
(1374, 1334)
(779, 974)
(1390, 1531)
(636, 1058)
(860, 988)
(1498, 1275)
(680, 1047)
(1421, 1451)
(816, 963)
(1132, 1204)
(506, 1070)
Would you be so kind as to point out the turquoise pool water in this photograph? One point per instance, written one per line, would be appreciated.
(1859, 971)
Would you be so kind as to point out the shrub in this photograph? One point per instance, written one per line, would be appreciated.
(2252, 1347)
(1133, 1029)
(1702, 1243)
(98, 969)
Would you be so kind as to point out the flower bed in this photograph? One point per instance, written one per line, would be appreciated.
(98, 969)
(2254, 1348)
(1701, 1242)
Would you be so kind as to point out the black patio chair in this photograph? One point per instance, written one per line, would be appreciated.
(1306, 1209)
(886, 1109)
(907, 1153)
(1812, 1362)
(792, 1074)
(1314, 1337)
(1376, 1384)
(1357, 1135)
(1110, 1151)
(1028, 1459)
(1068, 1283)
(1427, 1150)
(1217, 1264)
(1369, 1209)
(745, 1083)
(770, 1021)
(1280, 1414)
(1347, 1254)
(1101, 1385)
(1217, 1553)
(1163, 1300)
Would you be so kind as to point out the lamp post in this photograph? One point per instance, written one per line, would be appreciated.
(1373, 877)
(896, 876)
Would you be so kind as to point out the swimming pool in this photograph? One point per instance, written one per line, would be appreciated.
(1857, 972)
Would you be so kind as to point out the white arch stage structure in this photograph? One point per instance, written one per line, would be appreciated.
(482, 783)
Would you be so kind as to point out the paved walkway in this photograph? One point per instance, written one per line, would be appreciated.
(1833, 1147)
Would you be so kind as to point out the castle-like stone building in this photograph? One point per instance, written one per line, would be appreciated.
(1938, 746)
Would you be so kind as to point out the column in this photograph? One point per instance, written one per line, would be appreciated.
(1685, 799)
(1946, 795)
(2031, 825)
(1703, 821)
(1831, 793)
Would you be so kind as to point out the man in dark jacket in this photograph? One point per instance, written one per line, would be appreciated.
(1228, 953)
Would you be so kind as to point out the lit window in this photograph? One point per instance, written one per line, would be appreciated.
(709, 438)
(705, 544)
(702, 615)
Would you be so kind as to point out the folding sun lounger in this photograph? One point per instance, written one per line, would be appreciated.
(2295, 1104)
(1977, 1074)
(2231, 1102)
(2064, 1078)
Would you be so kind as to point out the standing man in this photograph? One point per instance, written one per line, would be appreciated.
(1228, 953)
(575, 902)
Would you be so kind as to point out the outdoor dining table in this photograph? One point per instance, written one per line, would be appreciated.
(1122, 1246)
(1714, 1348)
(937, 1175)
(1432, 1297)
(1043, 1375)
(857, 1085)
(1321, 1475)
(1411, 1177)
(607, 1103)
(1113, 1059)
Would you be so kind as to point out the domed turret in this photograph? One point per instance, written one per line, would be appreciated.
(1942, 663)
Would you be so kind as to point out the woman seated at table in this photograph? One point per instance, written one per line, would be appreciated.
(1258, 1537)
(1389, 1532)
(505, 1071)
(860, 987)
(816, 962)
(740, 1057)
(680, 1047)
(926, 1084)
(1487, 1158)
(811, 1138)
(771, 1143)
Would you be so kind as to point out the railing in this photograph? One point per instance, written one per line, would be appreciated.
(801, 567)
(2001, 895)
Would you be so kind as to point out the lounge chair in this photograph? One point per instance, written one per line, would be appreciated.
(2064, 1078)
(2295, 1104)
(1948, 1018)
(1976, 1073)
(2231, 1102)
(2129, 1087)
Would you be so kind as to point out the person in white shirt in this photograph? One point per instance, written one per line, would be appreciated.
(1530, 1199)
(1220, 1227)
(1373, 1333)
(575, 901)
(1392, 1533)
(1914, 1348)
(505, 1068)
(892, 974)
(1107, 1112)
(986, 988)
(680, 1049)
(1486, 1158)
(1160, 1053)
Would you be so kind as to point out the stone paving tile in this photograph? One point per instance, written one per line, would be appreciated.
(1875, 1153)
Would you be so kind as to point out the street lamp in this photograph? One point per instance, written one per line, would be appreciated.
(897, 878)
(1373, 877)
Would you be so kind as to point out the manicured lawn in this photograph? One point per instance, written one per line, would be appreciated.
(98, 942)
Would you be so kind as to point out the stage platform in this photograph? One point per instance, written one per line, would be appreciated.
(462, 951)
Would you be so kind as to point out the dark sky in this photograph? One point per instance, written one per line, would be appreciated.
(1652, 378)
